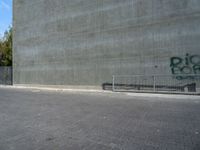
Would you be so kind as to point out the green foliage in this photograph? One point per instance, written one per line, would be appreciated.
(6, 49)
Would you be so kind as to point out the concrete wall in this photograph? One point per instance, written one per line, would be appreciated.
(85, 42)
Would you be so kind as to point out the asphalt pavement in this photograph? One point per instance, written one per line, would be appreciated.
(32, 119)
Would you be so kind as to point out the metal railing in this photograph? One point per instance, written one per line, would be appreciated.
(5, 75)
(188, 84)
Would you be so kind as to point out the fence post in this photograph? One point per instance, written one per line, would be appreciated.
(154, 83)
(113, 83)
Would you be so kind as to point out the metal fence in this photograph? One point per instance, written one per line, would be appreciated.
(5, 75)
(188, 84)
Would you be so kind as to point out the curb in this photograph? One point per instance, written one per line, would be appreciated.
(144, 95)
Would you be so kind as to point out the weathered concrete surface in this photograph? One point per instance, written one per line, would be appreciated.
(44, 120)
(85, 42)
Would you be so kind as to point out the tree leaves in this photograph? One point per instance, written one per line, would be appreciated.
(6, 49)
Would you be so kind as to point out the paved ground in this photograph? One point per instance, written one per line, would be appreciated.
(47, 120)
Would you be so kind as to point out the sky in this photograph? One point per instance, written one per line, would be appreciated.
(5, 15)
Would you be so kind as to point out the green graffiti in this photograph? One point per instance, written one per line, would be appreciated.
(175, 61)
(195, 59)
(188, 65)
(196, 69)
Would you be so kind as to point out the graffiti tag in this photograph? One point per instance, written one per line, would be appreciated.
(188, 65)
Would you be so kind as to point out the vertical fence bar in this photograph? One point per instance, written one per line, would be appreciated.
(154, 83)
(113, 83)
